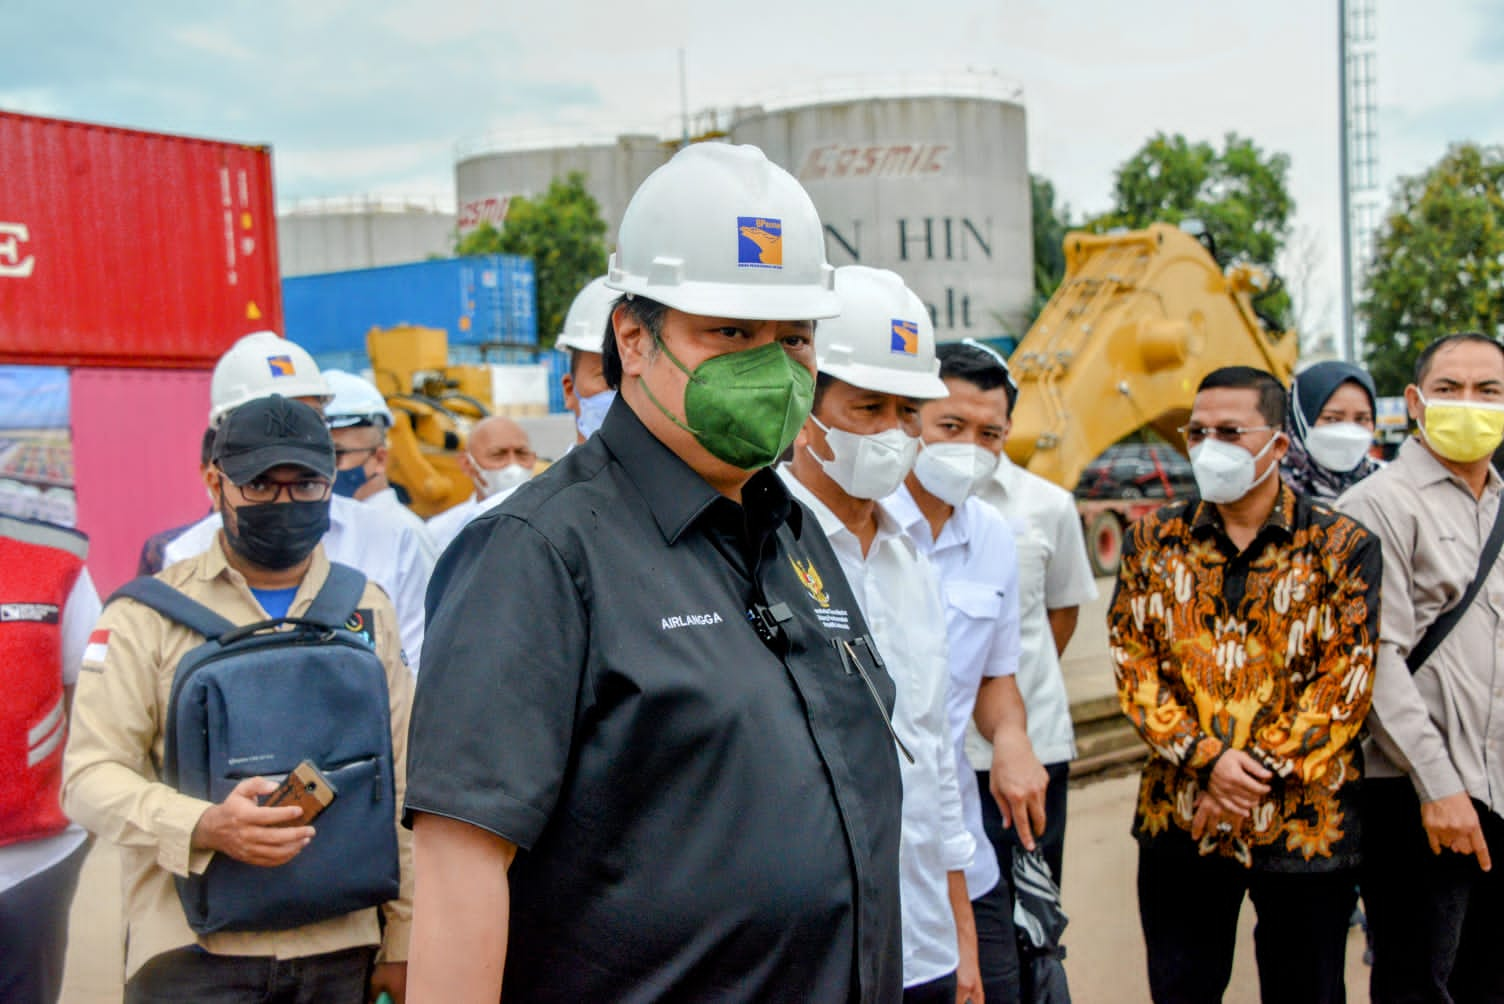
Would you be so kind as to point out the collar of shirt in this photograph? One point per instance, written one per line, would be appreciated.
(1207, 521)
(1006, 476)
(906, 512)
(1425, 469)
(675, 493)
(888, 528)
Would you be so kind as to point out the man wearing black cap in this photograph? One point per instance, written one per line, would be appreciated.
(272, 471)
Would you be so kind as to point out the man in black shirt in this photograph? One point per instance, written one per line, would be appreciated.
(650, 754)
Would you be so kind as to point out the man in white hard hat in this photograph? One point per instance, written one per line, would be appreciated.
(641, 766)
(877, 364)
(586, 393)
(498, 457)
(389, 552)
(973, 550)
(358, 420)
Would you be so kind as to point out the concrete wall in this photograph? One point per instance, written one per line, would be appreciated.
(309, 243)
(934, 188)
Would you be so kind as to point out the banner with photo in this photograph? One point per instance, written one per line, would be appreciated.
(36, 447)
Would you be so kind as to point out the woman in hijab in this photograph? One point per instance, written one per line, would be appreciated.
(1330, 426)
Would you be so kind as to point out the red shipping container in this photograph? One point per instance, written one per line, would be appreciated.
(136, 437)
(128, 248)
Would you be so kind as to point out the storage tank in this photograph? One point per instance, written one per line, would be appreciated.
(336, 235)
(493, 170)
(932, 183)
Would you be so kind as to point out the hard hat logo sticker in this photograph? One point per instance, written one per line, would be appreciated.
(905, 337)
(759, 242)
(280, 366)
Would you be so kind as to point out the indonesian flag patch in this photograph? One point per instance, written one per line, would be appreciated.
(98, 647)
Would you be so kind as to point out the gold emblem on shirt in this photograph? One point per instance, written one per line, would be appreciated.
(811, 579)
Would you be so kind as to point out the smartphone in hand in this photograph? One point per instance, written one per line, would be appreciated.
(306, 787)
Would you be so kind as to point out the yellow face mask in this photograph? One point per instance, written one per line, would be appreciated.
(1462, 431)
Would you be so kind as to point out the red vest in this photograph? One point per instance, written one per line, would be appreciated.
(39, 565)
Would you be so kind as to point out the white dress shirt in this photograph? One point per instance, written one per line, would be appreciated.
(387, 501)
(386, 549)
(445, 526)
(977, 564)
(899, 597)
(27, 858)
(1053, 572)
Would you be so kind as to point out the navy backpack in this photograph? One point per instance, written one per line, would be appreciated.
(255, 701)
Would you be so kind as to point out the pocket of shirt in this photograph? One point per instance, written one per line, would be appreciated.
(976, 600)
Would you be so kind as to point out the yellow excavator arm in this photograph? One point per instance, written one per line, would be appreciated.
(1139, 318)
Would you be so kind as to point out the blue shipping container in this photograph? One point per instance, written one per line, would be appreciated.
(478, 301)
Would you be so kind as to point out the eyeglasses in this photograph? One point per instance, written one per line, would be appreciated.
(262, 490)
(1226, 433)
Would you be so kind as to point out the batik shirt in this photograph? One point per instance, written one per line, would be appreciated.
(1270, 651)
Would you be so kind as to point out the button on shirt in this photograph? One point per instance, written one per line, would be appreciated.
(1053, 572)
(899, 596)
(701, 814)
(977, 564)
(389, 552)
(1444, 726)
(1269, 650)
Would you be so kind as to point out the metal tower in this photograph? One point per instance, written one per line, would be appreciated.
(1358, 99)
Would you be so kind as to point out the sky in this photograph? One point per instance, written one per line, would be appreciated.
(375, 97)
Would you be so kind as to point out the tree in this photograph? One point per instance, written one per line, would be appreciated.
(1438, 262)
(1241, 194)
(562, 232)
(1051, 224)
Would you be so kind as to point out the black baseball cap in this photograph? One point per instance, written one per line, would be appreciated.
(270, 431)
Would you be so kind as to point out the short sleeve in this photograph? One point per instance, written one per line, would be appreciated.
(79, 616)
(494, 712)
(1068, 581)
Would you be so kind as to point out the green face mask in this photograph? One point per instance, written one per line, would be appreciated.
(744, 407)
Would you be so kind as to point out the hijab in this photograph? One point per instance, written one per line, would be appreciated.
(1311, 389)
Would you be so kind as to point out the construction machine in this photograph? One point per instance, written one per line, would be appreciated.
(435, 405)
(1138, 320)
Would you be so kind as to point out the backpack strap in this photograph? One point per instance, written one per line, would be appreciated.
(172, 604)
(338, 598)
(1442, 626)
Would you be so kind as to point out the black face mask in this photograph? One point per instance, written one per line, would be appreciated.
(276, 535)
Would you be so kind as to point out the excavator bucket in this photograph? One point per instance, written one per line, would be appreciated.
(1139, 319)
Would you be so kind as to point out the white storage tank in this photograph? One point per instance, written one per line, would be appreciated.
(932, 183)
(501, 168)
(338, 235)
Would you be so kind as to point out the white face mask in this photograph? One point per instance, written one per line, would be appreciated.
(593, 410)
(502, 478)
(953, 471)
(1338, 446)
(1224, 472)
(867, 467)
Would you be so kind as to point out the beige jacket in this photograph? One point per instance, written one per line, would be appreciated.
(115, 741)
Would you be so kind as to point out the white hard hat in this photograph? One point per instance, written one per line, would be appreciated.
(355, 401)
(260, 364)
(883, 340)
(585, 324)
(721, 230)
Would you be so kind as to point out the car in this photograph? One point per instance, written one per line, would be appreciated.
(1137, 470)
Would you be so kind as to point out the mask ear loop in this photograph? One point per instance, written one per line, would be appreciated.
(654, 398)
